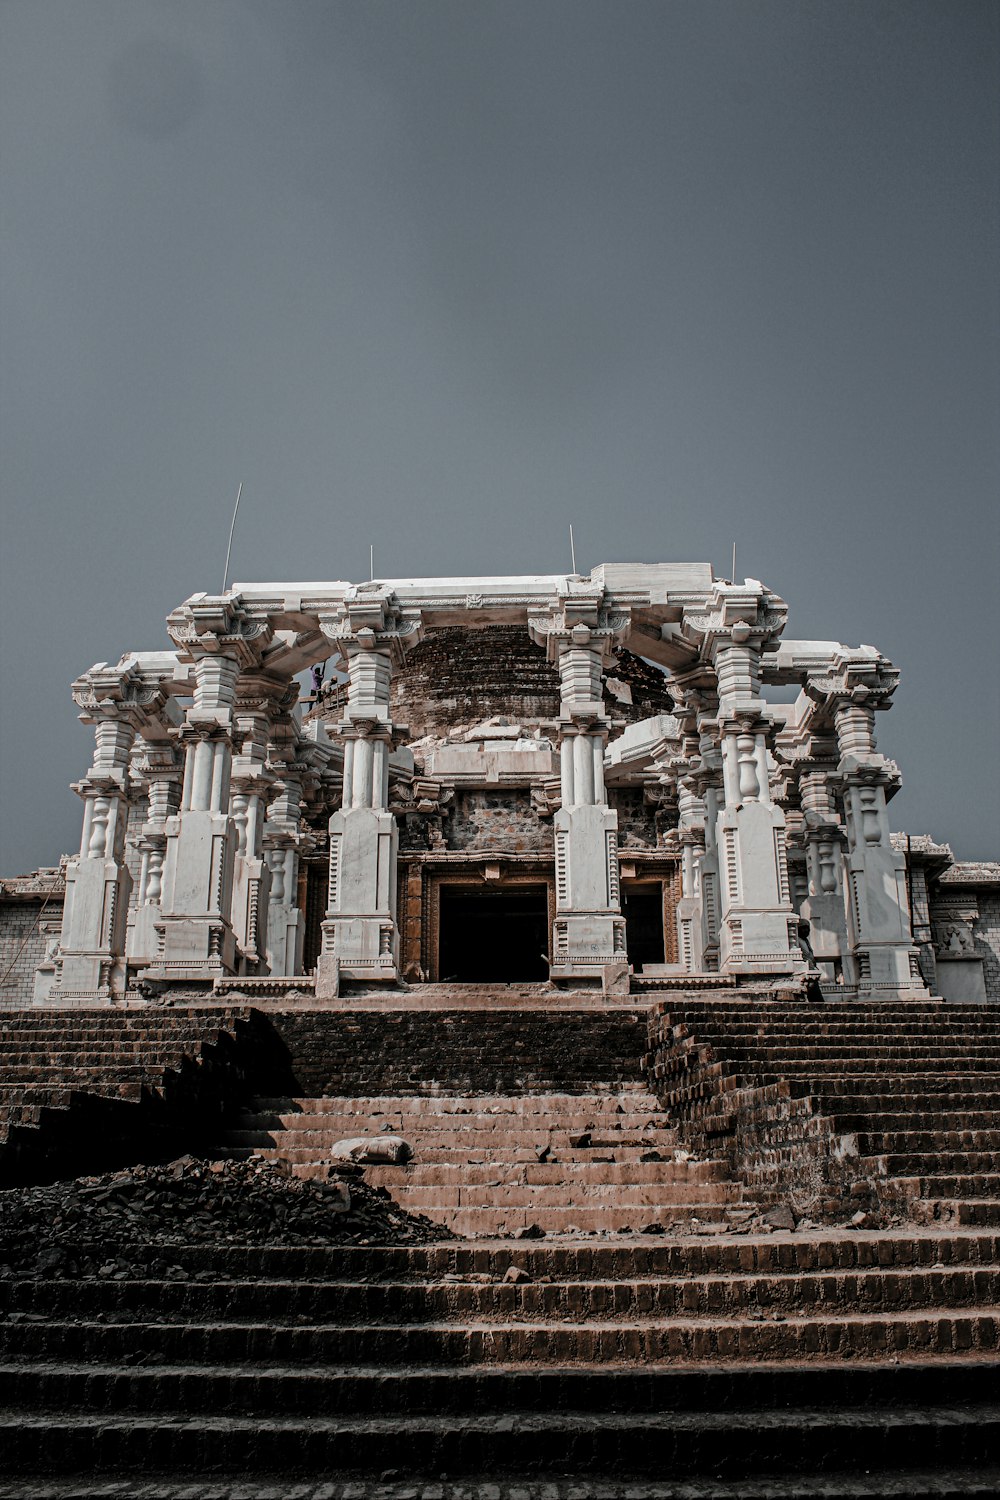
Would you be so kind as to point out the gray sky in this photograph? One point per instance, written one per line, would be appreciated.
(448, 276)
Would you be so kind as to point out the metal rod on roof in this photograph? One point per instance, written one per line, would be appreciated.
(229, 549)
(371, 560)
(734, 563)
(572, 550)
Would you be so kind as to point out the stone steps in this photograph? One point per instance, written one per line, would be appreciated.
(780, 1253)
(65, 1077)
(967, 1210)
(915, 1334)
(672, 1444)
(904, 1120)
(625, 1298)
(595, 1354)
(429, 1143)
(532, 1173)
(896, 1100)
(840, 1485)
(465, 1146)
(570, 1192)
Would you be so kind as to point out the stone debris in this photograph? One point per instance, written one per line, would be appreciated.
(67, 1228)
(380, 1150)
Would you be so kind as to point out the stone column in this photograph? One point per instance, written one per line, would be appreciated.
(758, 931)
(195, 931)
(250, 785)
(878, 922)
(690, 909)
(91, 961)
(823, 906)
(707, 782)
(589, 930)
(285, 840)
(684, 770)
(360, 935)
(160, 771)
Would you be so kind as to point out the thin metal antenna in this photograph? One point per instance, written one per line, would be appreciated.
(572, 550)
(733, 579)
(229, 549)
(371, 561)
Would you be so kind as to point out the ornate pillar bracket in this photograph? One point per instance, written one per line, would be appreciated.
(578, 633)
(91, 962)
(195, 934)
(758, 932)
(360, 935)
(884, 958)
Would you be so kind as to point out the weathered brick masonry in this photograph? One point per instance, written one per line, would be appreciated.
(458, 1052)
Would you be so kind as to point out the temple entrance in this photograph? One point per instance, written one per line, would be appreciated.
(494, 936)
(642, 905)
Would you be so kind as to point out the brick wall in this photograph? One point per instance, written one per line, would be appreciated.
(987, 937)
(636, 818)
(22, 946)
(459, 676)
(500, 822)
(441, 1052)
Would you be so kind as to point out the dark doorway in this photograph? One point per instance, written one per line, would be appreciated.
(317, 881)
(494, 937)
(643, 907)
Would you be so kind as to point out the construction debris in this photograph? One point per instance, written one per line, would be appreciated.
(83, 1227)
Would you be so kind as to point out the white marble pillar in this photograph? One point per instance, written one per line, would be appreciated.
(90, 965)
(823, 905)
(878, 922)
(759, 926)
(360, 935)
(690, 907)
(250, 786)
(196, 939)
(160, 771)
(285, 839)
(221, 639)
(589, 932)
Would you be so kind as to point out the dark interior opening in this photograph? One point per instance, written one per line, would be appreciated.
(494, 937)
(643, 907)
(317, 886)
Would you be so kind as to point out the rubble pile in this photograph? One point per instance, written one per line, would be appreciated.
(68, 1228)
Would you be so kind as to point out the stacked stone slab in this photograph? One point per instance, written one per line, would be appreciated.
(838, 1104)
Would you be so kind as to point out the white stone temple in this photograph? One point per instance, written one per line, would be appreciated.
(578, 780)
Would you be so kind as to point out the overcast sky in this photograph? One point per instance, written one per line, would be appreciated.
(448, 275)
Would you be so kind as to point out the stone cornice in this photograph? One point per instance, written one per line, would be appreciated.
(219, 625)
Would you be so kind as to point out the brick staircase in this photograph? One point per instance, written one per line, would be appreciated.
(518, 1117)
(721, 1366)
(493, 1164)
(711, 1359)
(890, 1104)
(86, 1090)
